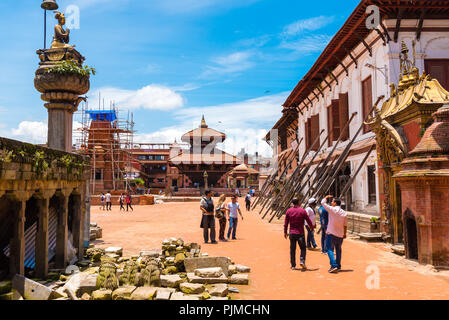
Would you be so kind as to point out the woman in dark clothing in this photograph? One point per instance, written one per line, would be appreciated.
(208, 219)
(220, 214)
(129, 201)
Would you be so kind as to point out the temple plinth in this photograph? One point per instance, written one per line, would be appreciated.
(203, 156)
(424, 182)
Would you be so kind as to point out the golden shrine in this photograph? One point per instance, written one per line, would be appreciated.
(399, 126)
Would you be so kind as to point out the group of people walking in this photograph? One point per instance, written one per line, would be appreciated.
(333, 230)
(223, 212)
(125, 198)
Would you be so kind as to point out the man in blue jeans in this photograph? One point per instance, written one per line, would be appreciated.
(310, 234)
(233, 210)
(296, 217)
(324, 220)
(336, 231)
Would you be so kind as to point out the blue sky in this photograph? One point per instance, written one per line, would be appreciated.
(170, 61)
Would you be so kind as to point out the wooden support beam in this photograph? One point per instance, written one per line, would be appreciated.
(364, 43)
(42, 239)
(332, 74)
(321, 91)
(62, 232)
(420, 25)
(382, 36)
(398, 24)
(17, 244)
(316, 96)
(327, 83)
(311, 103)
(386, 33)
(352, 57)
(342, 64)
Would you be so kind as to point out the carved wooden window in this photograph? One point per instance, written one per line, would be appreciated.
(335, 119)
(367, 99)
(330, 138)
(333, 122)
(344, 114)
(314, 131)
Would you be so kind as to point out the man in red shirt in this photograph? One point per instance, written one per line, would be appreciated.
(295, 217)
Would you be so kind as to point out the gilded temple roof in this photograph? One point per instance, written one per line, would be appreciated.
(424, 90)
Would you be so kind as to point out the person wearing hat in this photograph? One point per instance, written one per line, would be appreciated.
(312, 216)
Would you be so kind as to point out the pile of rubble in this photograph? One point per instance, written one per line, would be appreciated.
(179, 271)
(95, 232)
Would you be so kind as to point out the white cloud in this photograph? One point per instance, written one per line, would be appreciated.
(29, 131)
(151, 97)
(245, 123)
(231, 63)
(255, 42)
(307, 45)
(302, 36)
(311, 24)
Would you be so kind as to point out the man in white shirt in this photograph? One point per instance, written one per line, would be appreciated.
(310, 233)
(233, 210)
(248, 201)
(108, 197)
(336, 231)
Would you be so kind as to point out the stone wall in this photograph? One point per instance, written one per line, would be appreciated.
(359, 223)
(35, 181)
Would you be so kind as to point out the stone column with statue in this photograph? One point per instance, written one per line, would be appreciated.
(62, 80)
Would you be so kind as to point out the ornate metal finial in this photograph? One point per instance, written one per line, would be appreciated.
(409, 72)
(203, 123)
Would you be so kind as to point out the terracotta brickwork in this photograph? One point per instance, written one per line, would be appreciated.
(424, 183)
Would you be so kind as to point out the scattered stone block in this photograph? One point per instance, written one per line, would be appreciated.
(371, 237)
(171, 281)
(219, 290)
(192, 264)
(11, 296)
(205, 296)
(144, 293)
(183, 297)
(170, 270)
(399, 249)
(219, 298)
(102, 295)
(81, 283)
(150, 253)
(85, 297)
(209, 272)
(191, 288)
(242, 269)
(192, 278)
(31, 290)
(123, 293)
(162, 295)
(5, 287)
(232, 270)
(241, 279)
(115, 250)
